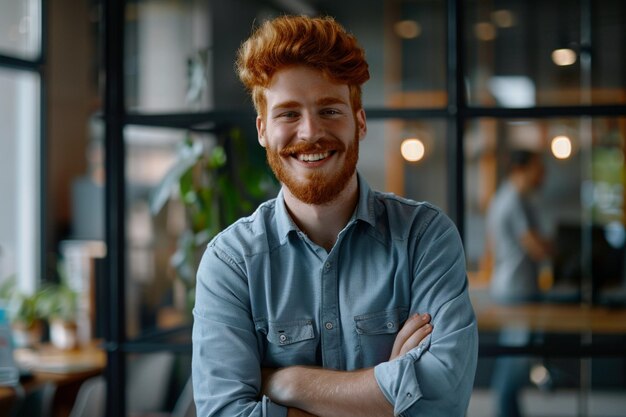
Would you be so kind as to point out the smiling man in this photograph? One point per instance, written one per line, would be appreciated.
(331, 299)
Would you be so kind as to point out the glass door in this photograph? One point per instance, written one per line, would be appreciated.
(20, 142)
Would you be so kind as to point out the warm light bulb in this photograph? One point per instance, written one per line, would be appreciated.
(561, 147)
(408, 29)
(503, 18)
(563, 57)
(485, 31)
(412, 150)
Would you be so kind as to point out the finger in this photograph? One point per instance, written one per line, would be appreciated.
(409, 327)
(416, 338)
(412, 324)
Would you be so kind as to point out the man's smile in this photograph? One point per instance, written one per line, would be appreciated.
(313, 154)
(312, 157)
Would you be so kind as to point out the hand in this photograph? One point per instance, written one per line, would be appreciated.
(416, 328)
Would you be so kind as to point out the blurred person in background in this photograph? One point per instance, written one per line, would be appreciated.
(518, 248)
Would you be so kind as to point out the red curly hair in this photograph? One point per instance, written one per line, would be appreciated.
(320, 43)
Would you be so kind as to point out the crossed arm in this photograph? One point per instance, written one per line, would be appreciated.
(311, 391)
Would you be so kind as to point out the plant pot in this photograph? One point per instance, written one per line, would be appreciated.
(27, 335)
(63, 334)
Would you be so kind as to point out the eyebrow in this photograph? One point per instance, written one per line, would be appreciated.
(324, 101)
(285, 105)
(327, 101)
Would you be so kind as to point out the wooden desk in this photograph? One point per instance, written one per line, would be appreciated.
(547, 317)
(65, 369)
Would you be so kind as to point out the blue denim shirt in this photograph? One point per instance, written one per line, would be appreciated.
(267, 296)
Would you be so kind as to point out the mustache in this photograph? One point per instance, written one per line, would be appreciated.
(321, 145)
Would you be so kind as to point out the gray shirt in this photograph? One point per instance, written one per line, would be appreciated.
(267, 296)
(510, 216)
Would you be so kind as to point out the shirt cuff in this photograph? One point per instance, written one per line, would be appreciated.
(270, 409)
(397, 380)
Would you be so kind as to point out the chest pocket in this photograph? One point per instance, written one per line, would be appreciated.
(376, 333)
(288, 342)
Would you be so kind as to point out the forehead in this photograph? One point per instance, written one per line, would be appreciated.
(302, 85)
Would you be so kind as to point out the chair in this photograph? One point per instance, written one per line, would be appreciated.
(36, 403)
(91, 398)
(185, 407)
(149, 378)
(147, 386)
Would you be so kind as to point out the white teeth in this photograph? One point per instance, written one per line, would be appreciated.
(312, 157)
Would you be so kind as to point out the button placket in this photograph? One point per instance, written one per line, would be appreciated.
(331, 342)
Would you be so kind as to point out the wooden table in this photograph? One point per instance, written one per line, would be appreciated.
(66, 369)
(547, 317)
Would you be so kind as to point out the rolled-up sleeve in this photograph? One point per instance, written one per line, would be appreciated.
(436, 378)
(226, 353)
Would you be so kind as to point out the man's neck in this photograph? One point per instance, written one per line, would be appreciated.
(322, 223)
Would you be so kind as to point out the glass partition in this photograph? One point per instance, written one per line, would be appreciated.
(405, 48)
(536, 53)
(406, 157)
(183, 187)
(151, 240)
(580, 202)
(180, 55)
(178, 58)
(608, 59)
(20, 170)
(168, 55)
(20, 29)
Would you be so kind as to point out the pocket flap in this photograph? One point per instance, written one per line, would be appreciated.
(383, 322)
(286, 333)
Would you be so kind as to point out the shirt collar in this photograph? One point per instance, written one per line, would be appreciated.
(284, 223)
(365, 206)
(364, 209)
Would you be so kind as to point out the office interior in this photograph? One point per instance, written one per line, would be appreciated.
(127, 143)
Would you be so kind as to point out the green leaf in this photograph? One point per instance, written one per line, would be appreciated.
(217, 158)
(188, 156)
(185, 183)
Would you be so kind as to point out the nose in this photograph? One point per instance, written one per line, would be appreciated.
(310, 128)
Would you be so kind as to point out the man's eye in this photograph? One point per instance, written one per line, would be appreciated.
(330, 112)
(289, 114)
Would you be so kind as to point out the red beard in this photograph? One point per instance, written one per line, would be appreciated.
(319, 188)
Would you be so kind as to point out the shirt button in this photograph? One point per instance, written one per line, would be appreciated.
(390, 325)
(282, 338)
(327, 265)
(328, 325)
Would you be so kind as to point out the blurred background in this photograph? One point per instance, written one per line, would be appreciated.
(127, 142)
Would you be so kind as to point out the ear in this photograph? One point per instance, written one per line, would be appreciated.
(260, 129)
(361, 123)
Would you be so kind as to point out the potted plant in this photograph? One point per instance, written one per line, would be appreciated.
(59, 304)
(217, 178)
(25, 314)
